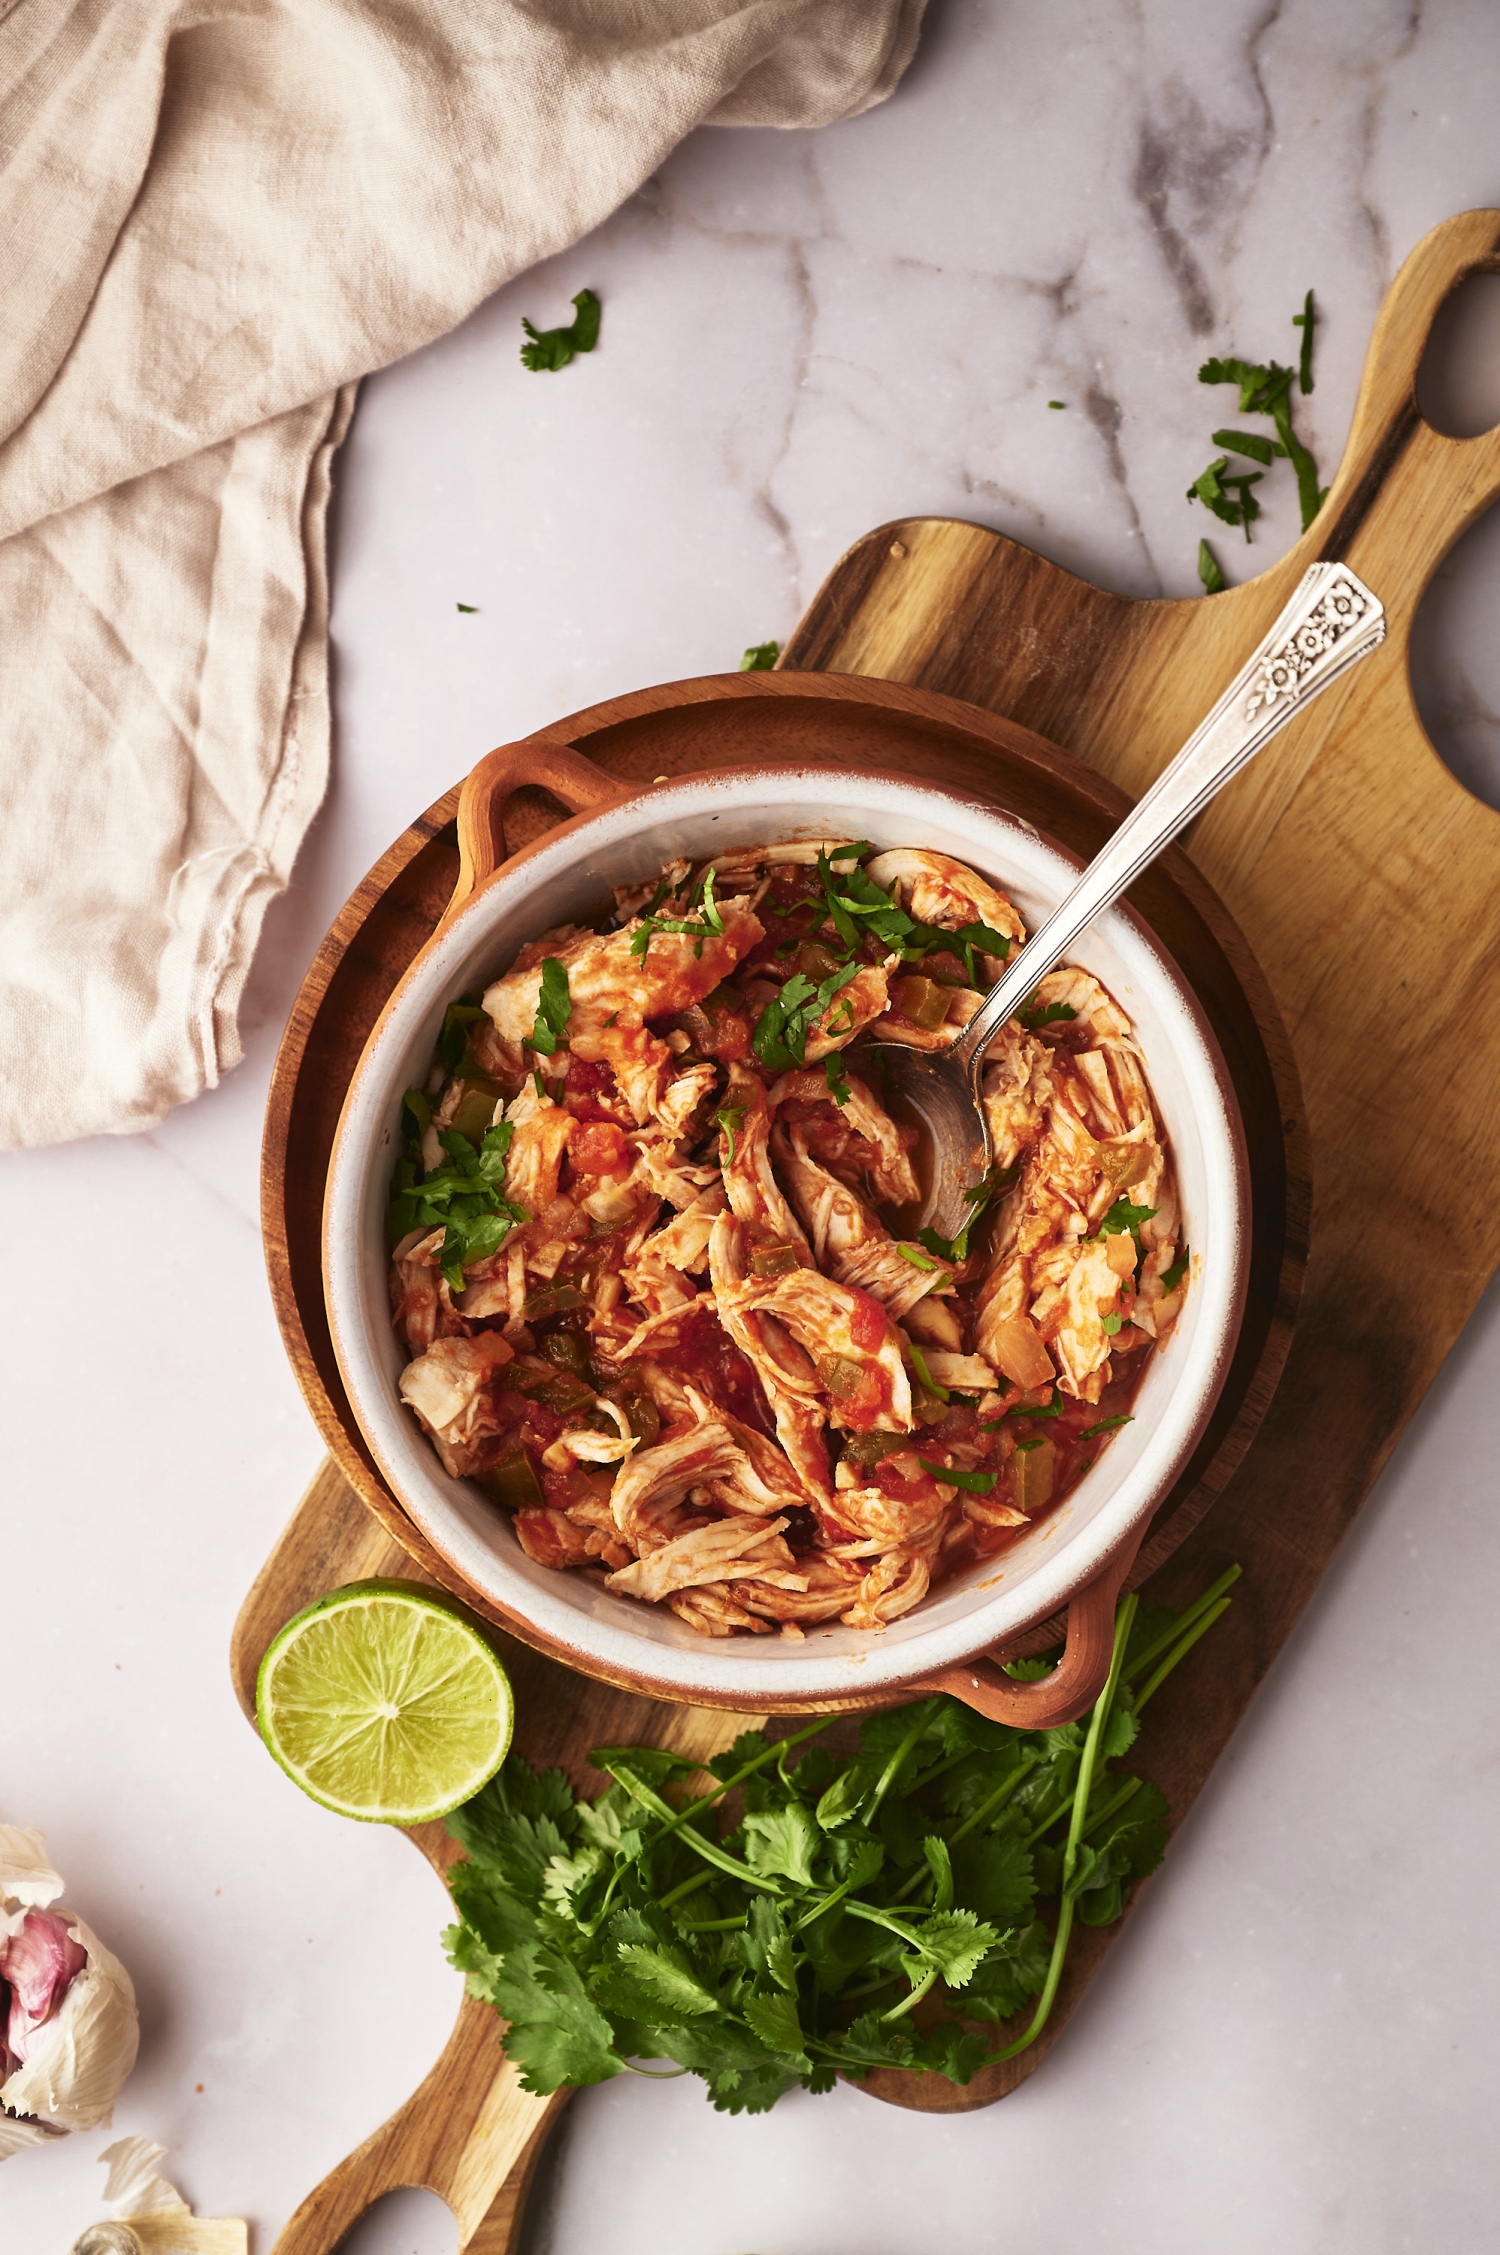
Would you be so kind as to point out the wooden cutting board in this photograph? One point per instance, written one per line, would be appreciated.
(1365, 878)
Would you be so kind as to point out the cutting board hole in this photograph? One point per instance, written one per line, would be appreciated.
(404, 2223)
(1455, 661)
(1458, 383)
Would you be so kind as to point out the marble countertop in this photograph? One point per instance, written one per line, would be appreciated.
(1296, 2044)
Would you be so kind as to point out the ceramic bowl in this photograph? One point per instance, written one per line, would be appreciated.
(564, 877)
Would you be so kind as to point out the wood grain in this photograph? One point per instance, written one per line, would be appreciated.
(1346, 851)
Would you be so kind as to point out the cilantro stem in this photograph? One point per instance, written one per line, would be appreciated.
(652, 2074)
(1123, 1620)
(709, 1850)
(907, 2003)
(1181, 1651)
(889, 1774)
(1184, 1621)
(770, 1753)
(713, 1925)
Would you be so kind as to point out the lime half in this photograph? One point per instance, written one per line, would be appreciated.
(384, 1702)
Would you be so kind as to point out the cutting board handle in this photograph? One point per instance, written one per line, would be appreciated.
(553, 767)
(1404, 492)
(469, 2133)
(1079, 1677)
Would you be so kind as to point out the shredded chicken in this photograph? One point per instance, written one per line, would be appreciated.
(691, 1353)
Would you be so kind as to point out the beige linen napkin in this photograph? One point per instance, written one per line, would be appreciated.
(219, 214)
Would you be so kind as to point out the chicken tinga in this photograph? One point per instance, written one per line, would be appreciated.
(640, 1268)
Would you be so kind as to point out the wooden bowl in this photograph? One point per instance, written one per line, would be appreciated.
(819, 720)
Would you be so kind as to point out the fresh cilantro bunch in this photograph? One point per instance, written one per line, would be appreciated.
(464, 1197)
(554, 348)
(875, 1911)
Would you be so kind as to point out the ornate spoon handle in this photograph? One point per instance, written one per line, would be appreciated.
(1332, 621)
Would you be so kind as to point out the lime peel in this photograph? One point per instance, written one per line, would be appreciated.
(385, 1702)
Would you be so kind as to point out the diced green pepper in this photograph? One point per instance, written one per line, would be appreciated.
(815, 961)
(872, 1448)
(1035, 1475)
(773, 1260)
(841, 1374)
(476, 1110)
(568, 1349)
(643, 1417)
(551, 1299)
(923, 1001)
(512, 1481)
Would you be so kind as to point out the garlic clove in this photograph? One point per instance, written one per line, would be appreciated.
(75, 2064)
(40, 1961)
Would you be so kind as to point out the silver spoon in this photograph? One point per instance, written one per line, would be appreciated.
(1331, 622)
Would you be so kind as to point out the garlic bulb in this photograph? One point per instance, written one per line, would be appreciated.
(68, 2028)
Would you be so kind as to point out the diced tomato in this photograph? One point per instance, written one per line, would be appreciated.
(600, 1148)
(867, 1320)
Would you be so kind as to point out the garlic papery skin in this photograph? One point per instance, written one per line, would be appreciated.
(68, 2065)
(151, 2216)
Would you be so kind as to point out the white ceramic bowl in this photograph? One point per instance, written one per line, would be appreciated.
(566, 876)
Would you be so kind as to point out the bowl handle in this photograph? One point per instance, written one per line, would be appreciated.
(481, 805)
(1077, 1680)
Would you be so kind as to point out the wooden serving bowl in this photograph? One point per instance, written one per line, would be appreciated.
(821, 721)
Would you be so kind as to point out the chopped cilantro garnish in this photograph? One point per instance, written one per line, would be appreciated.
(1037, 1014)
(1122, 1216)
(833, 1073)
(1057, 403)
(1054, 1408)
(1214, 582)
(1023, 1447)
(1173, 1276)
(453, 1052)
(781, 1030)
(1251, 443)
(554, 1007)
(853, 899)
(1105, 1425)
(470, 608)
(731, 1118)
(1112, 1324)
(977, 1199)
(760, 657)
(463, 1197)
(1217, 491)
(925, 1379)
(917, 1259)
(554, 348)
(1306, 321)
(702, 921)
(977, 1483)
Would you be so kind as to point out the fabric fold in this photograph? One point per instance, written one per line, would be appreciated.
(224, 213)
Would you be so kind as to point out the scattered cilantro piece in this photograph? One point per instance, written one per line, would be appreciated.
(1057, 403)
(702, 921)
(833, 1073)
(634, 1925)
(1113, 1324)
(977, 1483)
(731, 1118)
(925, 1379)
(1023, 1446)
(1251, 443)
(917, 1259)
(1122, 1216)
(1173, 1276)
(470, 608)
(1214, 582)
(1306, 321)
(554, 1007)
(1228, 496)
(1037, 1015)
(1105, 1425)
(978, 1200)
(760, 657)
(1054, 1408)
(781, 1031)
(554, 348)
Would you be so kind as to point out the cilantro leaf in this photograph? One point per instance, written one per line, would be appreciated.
(1045, 1014)
(1105, 1425)
(782, 1841)
(666, 1980)
(1306, 321)
(782, 1029)
(554, 348)
(731, 1118)
(760, 657)
(775, 2021)
(1171, 1277)
(1214, 582)
(833, 1074)
(554, 1007)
